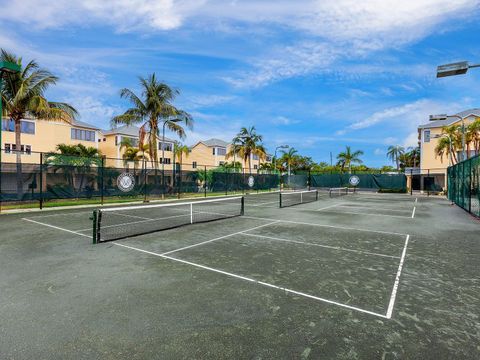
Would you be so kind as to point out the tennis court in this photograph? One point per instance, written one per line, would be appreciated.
(360, 275)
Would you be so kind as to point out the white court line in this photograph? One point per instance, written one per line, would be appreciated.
(327, 207)
(132, 216)
(416, 200)
(265, 203)
(397, 280)
(56, 227)
(372, 207)
(322, 225)
(320, 245)
(218, 238)
(369, 214)
(254, 281)
(63, 214)
(413, 212)
(392, 298)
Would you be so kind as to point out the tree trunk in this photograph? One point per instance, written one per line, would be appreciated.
(18, 145)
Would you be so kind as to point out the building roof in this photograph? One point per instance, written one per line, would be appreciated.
(451, 119)
(83, 124)
(128, 130)
(213, 142)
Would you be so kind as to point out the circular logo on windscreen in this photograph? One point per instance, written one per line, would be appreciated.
(354, 180)
(125, 182)
(251, 181)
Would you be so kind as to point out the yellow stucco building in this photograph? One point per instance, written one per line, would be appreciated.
(432, 171)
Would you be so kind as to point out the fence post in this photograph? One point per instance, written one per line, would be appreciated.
(102, 182)
(205, 182)
(411, 181)
(428, 176)
(41, 180)
(226, 181)
(179, 182)
(470, 186)
(144, 181)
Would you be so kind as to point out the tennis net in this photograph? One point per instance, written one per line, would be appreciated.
(340, 191)
(127, 221)
(297, 197)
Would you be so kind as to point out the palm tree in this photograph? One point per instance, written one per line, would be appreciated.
(394, 153)
(248, 143)
(288, 158)
(152, 109)
(132, 154)
(473, 132)
(347, 158)
(179, 150)
(75, 159)
(127, 144)
(23, 94)
(445, 146)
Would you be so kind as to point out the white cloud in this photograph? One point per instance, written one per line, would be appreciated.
(330, 30)
(203, 101)
(379, 152)
(282, 120)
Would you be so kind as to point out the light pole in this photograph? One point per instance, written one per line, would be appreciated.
(5, 68)
(444, 117)
(458, 68)
(163, 152)
(275, 156)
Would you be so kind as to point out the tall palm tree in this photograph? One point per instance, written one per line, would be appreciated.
(347, 158)
(394, 153)
(152, 108)
(248, 143)
(288, 158)
(23, 94)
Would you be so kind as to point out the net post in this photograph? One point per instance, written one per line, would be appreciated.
(280, 201)
(191, 213)
(95, 234)
(411, 181)
(316, 195)
(41, 181)
(242, 210)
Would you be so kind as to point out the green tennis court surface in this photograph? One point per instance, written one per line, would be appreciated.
(356, 276)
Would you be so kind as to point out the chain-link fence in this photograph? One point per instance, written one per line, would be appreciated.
(464, 185)
(45, 178)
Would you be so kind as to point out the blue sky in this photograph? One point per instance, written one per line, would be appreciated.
(317, 75)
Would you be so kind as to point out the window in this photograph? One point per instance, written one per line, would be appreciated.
(24, 149)
(254, 157)
(86, 135)
(426, 136)
(165, 161)
(221, 163)
(26, 127)
(255, 167)
(166, 146)
(194, 164)
(269, 158)
(221, 151)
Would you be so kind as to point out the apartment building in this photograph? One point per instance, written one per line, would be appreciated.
(213, 152)
(43, 136)
(111, 147)
(433, 168)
